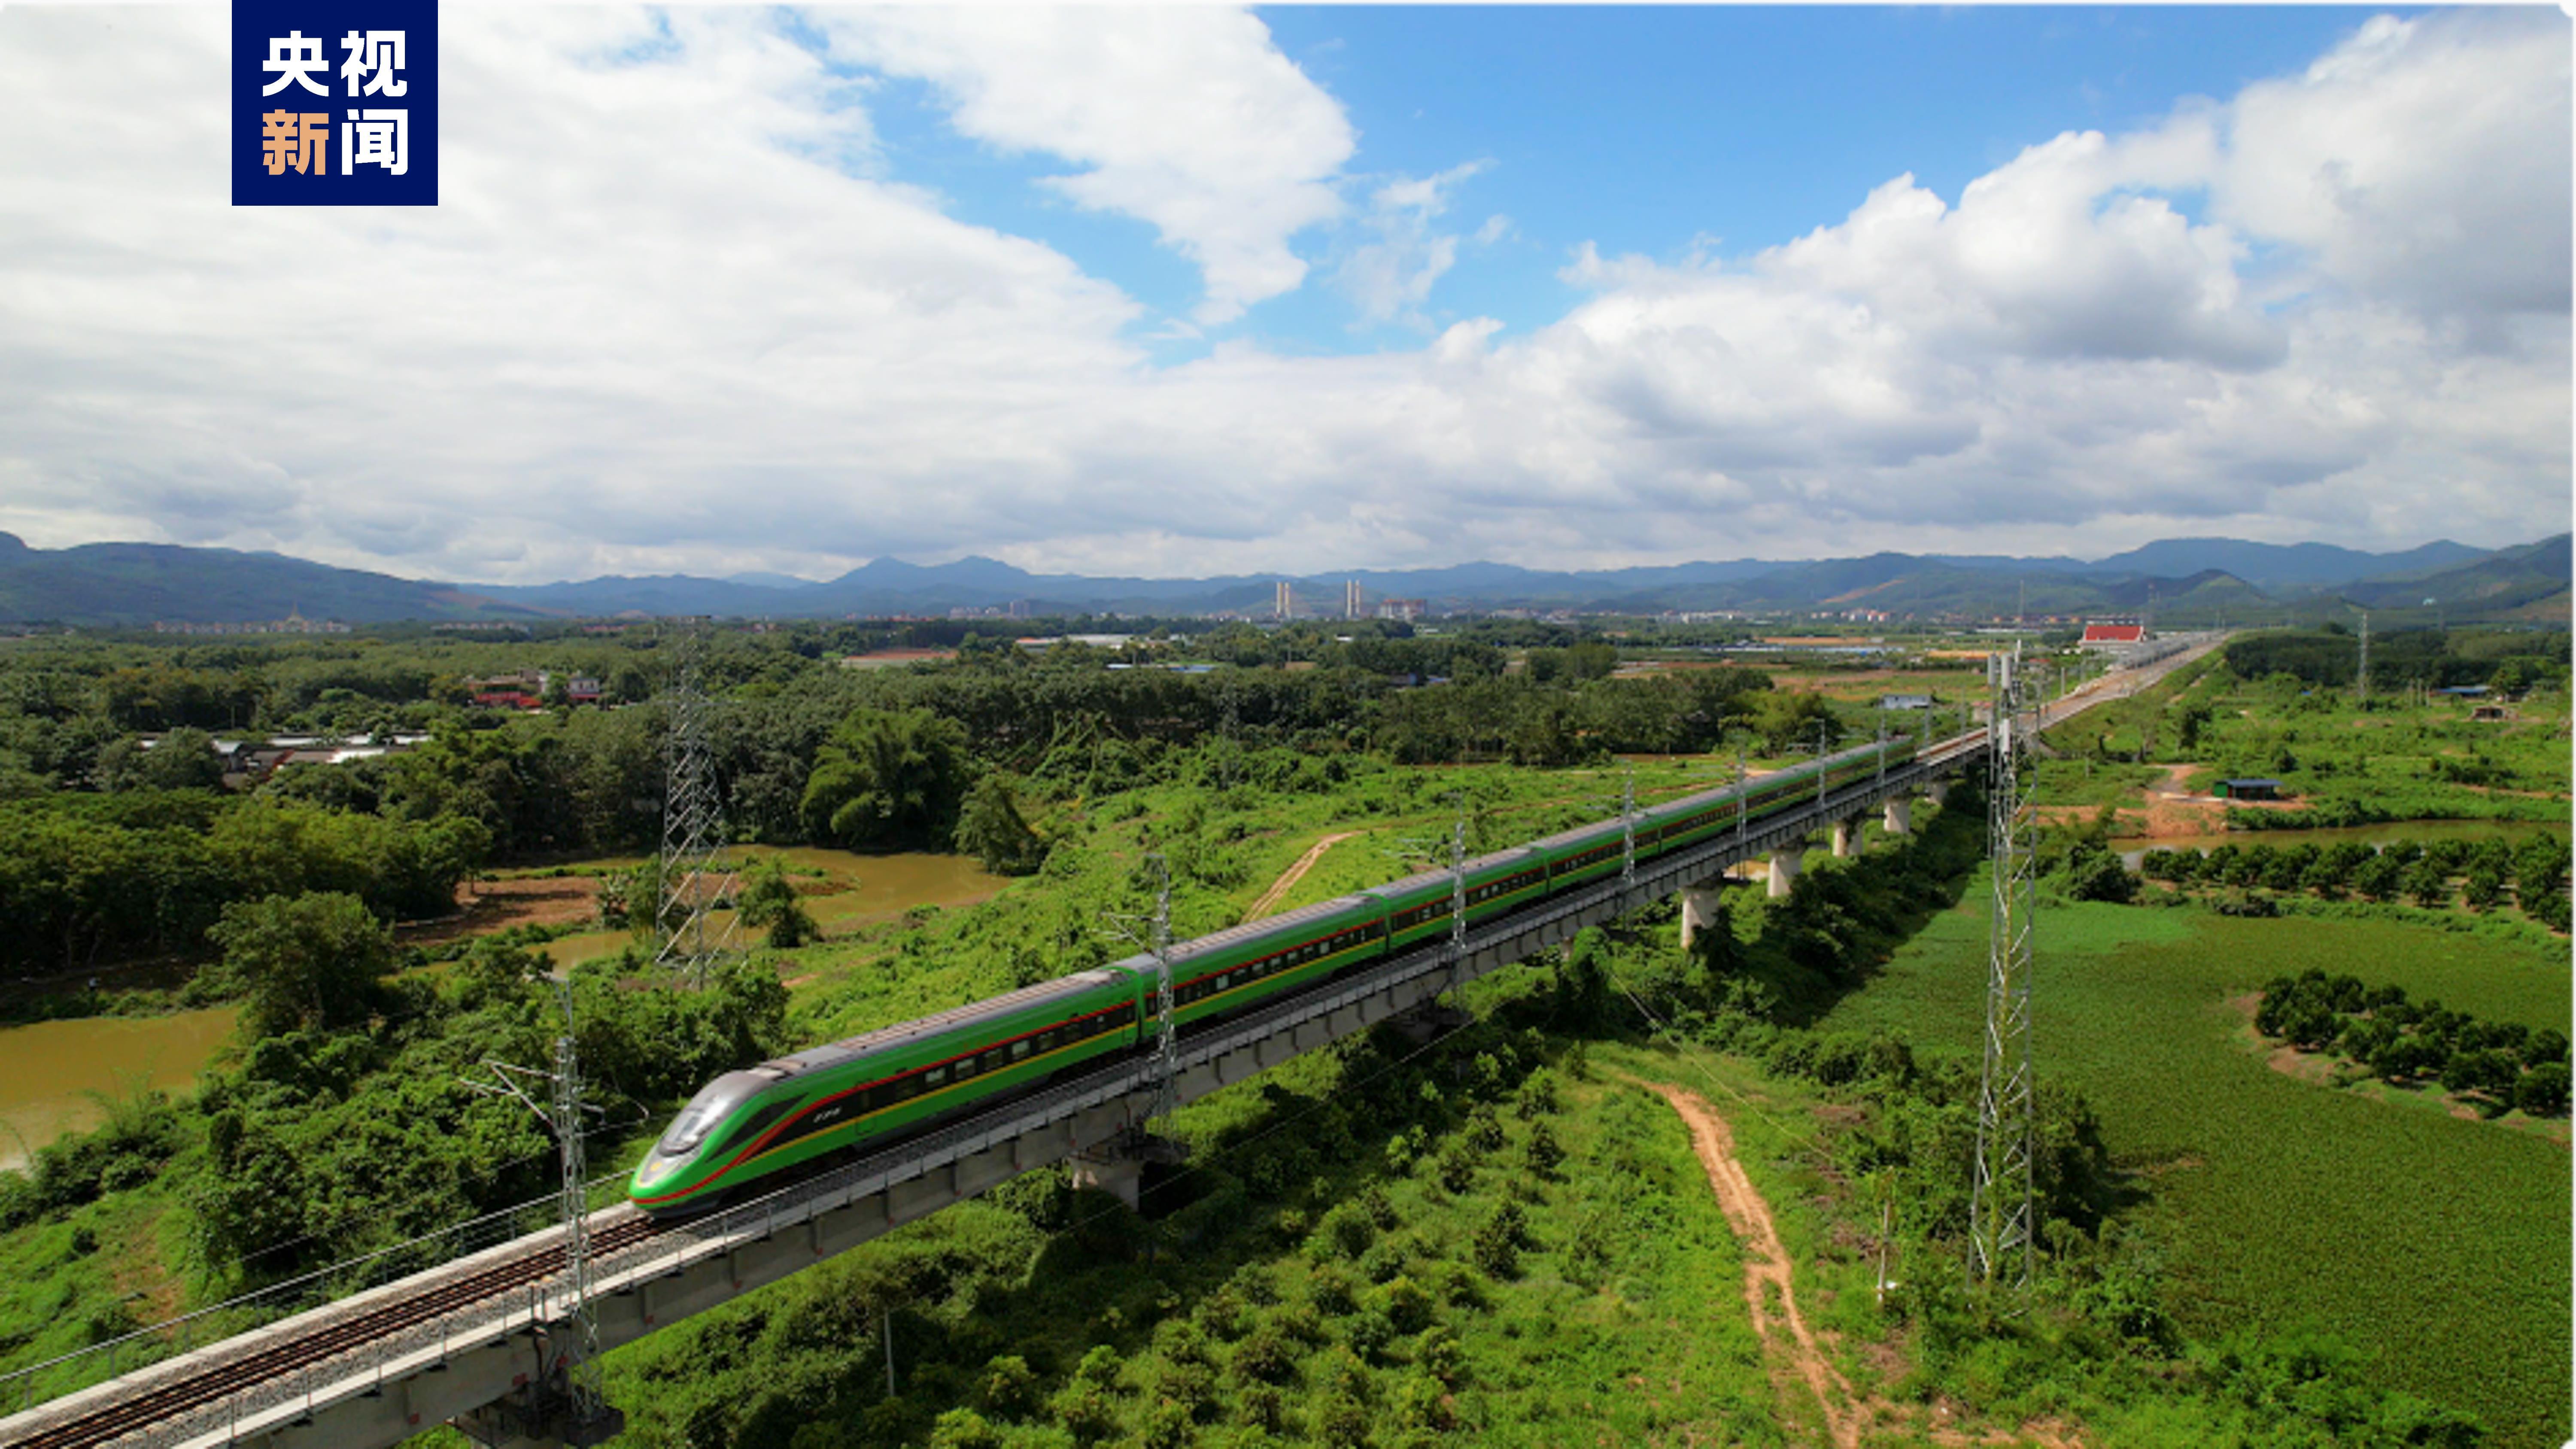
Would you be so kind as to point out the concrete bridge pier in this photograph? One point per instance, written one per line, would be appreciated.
(1937, 790)
(1900, 816)
(1846, 838)
(1117, 1167)
(1784, 869)
(1703, 908)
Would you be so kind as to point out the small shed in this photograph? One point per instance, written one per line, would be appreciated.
(1905, 701)
(2249, 789)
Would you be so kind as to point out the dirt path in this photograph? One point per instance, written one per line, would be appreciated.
(1768, 1290)
(1288, 878)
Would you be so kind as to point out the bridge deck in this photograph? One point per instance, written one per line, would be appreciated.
(376, 1368)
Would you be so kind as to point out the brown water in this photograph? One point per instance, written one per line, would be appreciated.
(2131, 847)
(48, 1070)
(857, 890)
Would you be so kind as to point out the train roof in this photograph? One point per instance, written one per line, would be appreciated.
(1581, 834)
(1249, 930)
(830, 1054)
(1429, 878)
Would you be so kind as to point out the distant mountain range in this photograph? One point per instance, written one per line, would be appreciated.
(129, 584)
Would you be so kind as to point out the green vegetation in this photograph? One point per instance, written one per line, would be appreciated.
(2500, 1066)
(2435, 1248)
(2439, 875)
(1499, 1237)
(1374, 1246)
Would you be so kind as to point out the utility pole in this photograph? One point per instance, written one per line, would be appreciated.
(2001, 1212)
(1158, 941)
(570, 1402)
(1628, 827)
(1458, 895)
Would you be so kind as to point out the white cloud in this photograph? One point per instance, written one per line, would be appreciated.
(2424, 162)
(1187, 116)
(1391, 274)
(672, 315)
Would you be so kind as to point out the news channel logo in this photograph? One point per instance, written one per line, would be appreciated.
(335, 104)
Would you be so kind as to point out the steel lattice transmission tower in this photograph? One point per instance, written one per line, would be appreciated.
(694, 874)
(2001, 1213)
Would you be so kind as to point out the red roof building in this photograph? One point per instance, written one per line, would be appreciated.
(2106, 635)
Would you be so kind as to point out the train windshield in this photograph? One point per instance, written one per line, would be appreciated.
(710, 1106)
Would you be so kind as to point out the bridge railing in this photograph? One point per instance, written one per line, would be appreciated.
(66, 1373)
(546, 1300)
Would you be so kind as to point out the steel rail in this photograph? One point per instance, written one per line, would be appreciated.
(249, 1389)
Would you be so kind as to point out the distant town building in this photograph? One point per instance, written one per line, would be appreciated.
(293, 623)
(525, 689)
(1404, 609)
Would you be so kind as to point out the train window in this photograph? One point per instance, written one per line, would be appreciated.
(934, 1077)
(965, 1068)
(1019, 1048)
(760, 1122)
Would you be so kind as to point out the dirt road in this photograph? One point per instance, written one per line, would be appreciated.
(1288, 878)
(1768, 1290)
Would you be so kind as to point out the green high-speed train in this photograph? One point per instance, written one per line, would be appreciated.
(748, 1128)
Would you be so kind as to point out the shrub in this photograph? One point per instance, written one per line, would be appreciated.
(1010, 1387)
(1331, 1293)
(1541, 1151)
(2543, 1090)
(1264, 1356)
(964, 1429)
(1498, 1240)
(1260, 1406)
(1086, 1411)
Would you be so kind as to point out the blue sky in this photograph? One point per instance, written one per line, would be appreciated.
(1185, 290)
(1657, 130)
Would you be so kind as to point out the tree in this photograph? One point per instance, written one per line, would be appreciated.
(300, 962)
(768, 902)
(887, 777)
(991, 829)
(1790, 718)
(2543, 1090)
(2095, 874)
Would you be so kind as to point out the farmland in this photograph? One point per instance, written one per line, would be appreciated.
(2436, 1245)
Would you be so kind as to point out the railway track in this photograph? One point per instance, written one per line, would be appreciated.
(184, 1393)
(326, 1340)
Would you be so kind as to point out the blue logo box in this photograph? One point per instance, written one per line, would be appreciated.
(335, 104)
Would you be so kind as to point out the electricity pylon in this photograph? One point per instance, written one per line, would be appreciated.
(2000, 1207)
(694, 875)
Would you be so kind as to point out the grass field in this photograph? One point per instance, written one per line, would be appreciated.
(1361, 1314)
(2437, 1245)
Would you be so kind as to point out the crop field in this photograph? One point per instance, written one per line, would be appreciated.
(2437, 1245)
(1375, 1307)
(2398, 758)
